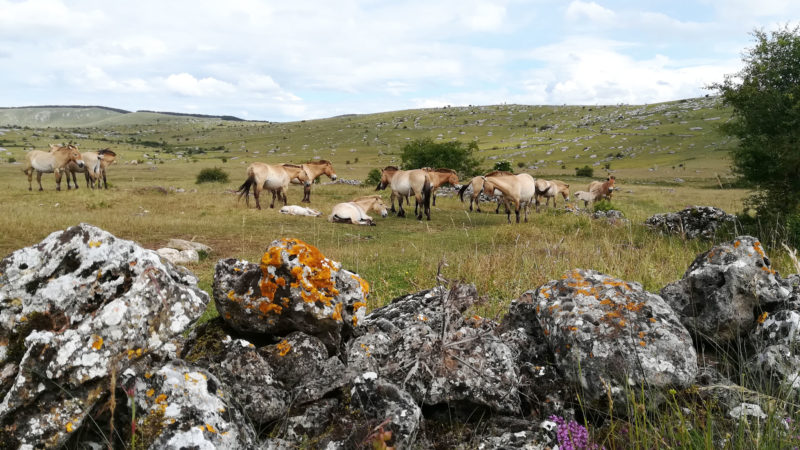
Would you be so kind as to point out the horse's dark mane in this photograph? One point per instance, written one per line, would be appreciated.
(498, 172)
(390, 168)
(321, 162)
(292, 165)
(106, 151)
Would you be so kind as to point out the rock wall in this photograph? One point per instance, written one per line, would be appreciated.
(93, 349)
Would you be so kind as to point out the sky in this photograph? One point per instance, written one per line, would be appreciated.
(282, 60)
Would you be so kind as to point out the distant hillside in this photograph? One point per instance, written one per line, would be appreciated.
(92, 116)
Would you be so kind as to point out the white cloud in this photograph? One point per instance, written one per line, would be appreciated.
(578, 10)
(186, 84)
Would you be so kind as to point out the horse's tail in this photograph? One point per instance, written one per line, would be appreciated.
(427, 189)
(462, 190)
(244, 189)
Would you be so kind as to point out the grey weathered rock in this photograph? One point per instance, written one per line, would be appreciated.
(777, 342)
(721, 290)
(422, 342)
(691, 222)
(187, 408)
(181, 244)
(611, 337)
(380, 401)
(179, 257)
(294, 288)
(75, 309)
(612, 216)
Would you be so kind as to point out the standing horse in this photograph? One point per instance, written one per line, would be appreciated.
(415, 182)
(517, 189)
(94, 168)
(477, 189)
(272, 177)
(55, 161)
(550, 189)
(602, 190)
(355, 212)
(314, 170)
(439, 177)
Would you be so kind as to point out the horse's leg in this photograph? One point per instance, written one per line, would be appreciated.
(29, 173)
(306, 194)
(433, 196)
(257, 195)
(39, 180)
(400, 211)
(516, 211)
(105, 183)
(274, 194)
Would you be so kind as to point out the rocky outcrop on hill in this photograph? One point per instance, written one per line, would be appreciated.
(691, 222)
(92, 349)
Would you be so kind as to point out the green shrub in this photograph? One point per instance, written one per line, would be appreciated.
(584, 171)
(504, 165)
(373, 178)
(603, 205)
(215, 175)
(12, 160)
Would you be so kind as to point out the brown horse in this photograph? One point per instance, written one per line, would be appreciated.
(518, 190)
(602, 189)
(477, 188)
(415, 182)
(439, 177)
(94, 168)
(272, 177)
(550, 189)
(314, 169)
(54, 161)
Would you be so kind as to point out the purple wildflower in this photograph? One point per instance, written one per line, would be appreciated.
(572, 435)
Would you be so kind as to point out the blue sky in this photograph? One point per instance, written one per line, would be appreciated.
(282, 61)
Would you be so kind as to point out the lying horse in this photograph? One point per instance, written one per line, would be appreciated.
(94, 168)
(517, 189)
(415, 182)
(272, 177)
(314, 169)
(477, 188)
(55, 161)
(550, 189)
(355, 212)
(602, 189)
(439, 177)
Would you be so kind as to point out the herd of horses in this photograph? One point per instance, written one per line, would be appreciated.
(66, 159)
(517, 192)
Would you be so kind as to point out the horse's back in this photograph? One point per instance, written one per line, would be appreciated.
(40, 161)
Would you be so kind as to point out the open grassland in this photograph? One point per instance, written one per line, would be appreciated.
(664, 156)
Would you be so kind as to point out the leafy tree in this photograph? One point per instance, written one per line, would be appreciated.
(765, 97)
(452, 155)
(373, 177)
(584, 171)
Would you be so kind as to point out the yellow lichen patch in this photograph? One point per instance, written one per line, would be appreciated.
(358, 305)
(23, 319)
(763, 317)
(641, 335)
(97, 343)
(162, 398)
(642, 343)
(266, 307)
(283, 347)
(232, 296)
(337, 312)
(93, 244)
(69, 427)
(737, 244)
(148, 375)
(150, 392)
(362, 282)
(210, 428)
(757, 247)
(280, 282)
(653, 320)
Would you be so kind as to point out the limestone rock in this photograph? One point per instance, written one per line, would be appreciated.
(691, 222)
(722, 289)
(777, 342)
(75, 308)
(181, 244)
(611, 337)
(179, 257)
(422, 342)
(294, 288)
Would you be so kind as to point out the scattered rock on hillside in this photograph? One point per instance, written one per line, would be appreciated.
(179, 257)
(691, 222)
(295, 288)
(721, 292)
(611, 337)
(75, 309)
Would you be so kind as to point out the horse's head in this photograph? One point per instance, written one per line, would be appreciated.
(74, 155)
(564, 189)
(386, 177)
(379, 206)
(329, 171)
(452, 176)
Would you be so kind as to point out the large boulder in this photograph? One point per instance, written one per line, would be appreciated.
(76, 310)
(423, 342)
(294, 288)
(777, 341)
(612, 338)
(691, 222)
(723, 290)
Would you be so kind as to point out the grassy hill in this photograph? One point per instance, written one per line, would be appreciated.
(92, 116)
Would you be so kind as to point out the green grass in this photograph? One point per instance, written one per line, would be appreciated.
(402, 255)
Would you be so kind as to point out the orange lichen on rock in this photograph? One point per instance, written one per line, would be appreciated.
(363, 283)
(267, 307)
(763, 317)
(97, 344)
(283, 347)
(337, 312)
(757, 247)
